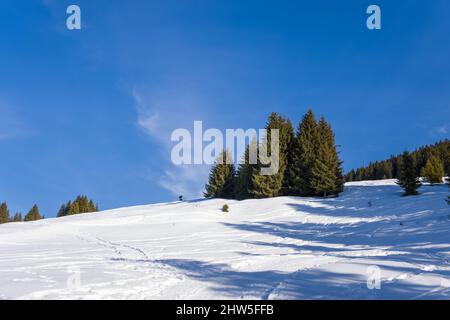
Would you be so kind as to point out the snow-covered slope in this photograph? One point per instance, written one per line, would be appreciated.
(281, 248)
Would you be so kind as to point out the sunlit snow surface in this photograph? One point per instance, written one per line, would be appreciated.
(281, 248)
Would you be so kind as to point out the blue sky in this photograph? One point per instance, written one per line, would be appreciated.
(91, 111)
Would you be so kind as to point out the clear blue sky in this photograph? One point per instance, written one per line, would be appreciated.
(91, 111)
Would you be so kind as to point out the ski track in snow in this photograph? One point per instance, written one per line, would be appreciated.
(281, 248)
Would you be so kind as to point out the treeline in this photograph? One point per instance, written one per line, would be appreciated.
(408, 178)
(431, 163)
(309, 164)
(32, 215)
(430, 158)
(80, 205)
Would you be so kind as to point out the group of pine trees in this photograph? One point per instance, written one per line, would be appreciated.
(431, 162)
(80, 205)
(32, 215)
(308, 159)
(408, 179)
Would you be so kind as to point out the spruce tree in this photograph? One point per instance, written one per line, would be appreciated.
(448, 183)
(273, 185)
(350, 176)
(243, 181)
(92, 207)
(74, 208)
(33, 214)
(304, 156)
(4, 213)
(17, 217)
(68, 206)
(327, 178)
(221, 178)
(81, 204)
(390, 168)
(447, 161)
(407, 176)
(433, 172)
(290, 144)
(62, 211)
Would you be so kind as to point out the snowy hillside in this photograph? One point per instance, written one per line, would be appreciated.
(281, 248)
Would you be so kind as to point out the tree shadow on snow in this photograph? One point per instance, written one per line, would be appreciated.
(303, 284)
(412, 250)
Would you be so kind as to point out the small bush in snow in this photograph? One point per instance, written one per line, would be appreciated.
(225, 208)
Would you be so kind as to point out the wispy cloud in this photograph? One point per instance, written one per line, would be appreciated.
(186, 180)
(158, 114)
(148, 119)
(440, 130)
(11, 126)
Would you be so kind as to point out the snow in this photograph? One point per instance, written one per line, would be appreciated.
(279, 248)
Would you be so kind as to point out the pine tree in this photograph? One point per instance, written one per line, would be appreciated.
(4, 213)
(390, 168)
(273, 185)
(74, 208)
(221, 178)
(62, 211)
(33, 214)
(68, 206)
(92, 207)
(243, 181)
(81, 204)
(304, 156)
(17, 217)
(448, 183)
(447, 161)
(433, 171)
(327, 178)
(350, 176)
(407, 176)
(288, 182)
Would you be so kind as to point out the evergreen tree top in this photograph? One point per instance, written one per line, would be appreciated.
(33, 214)
(221, 178)
(4, 213)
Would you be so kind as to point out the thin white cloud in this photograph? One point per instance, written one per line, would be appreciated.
(440, 130)
(148, 120)
(158, 114)
(164, 110)
(187, 181)
(11, 126)
(149, 123)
